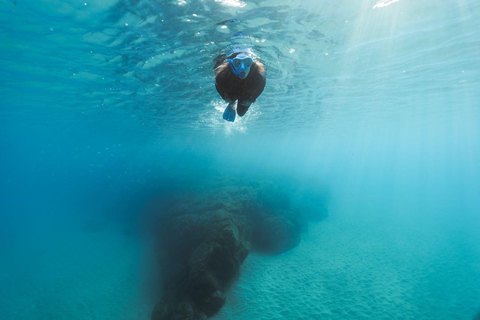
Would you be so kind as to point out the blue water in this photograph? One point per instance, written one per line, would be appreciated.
(374, 105)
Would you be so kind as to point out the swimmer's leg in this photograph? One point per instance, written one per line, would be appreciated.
(243, 107)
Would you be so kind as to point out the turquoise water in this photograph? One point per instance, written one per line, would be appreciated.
(372, 104)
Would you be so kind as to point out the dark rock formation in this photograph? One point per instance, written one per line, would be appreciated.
(275, 234)
(200, 255)
(205, 236)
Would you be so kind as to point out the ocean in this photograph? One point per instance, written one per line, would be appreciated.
(349, 190)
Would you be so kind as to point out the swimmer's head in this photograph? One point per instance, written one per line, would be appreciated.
(241, 65)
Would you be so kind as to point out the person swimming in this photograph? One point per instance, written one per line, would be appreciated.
(239, 76)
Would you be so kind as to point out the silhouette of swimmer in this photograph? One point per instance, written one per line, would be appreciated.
(241, 77)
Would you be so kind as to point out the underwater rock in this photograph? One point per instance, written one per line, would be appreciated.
(276, 225)
(276, 234)
(205, 236)
(200, 256)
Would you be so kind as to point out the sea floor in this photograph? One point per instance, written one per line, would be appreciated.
(349, 269)
(73, 275)
(344, 268)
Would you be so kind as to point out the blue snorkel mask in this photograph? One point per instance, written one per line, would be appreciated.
(241, 65)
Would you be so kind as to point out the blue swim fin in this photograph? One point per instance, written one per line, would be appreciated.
(229, 113)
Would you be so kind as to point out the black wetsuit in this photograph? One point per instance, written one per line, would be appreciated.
(232, 88)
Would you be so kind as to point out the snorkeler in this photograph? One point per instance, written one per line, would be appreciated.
(238, 77)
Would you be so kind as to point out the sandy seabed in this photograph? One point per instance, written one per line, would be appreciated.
(343, 269)
(72, 275)
(359, 270)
